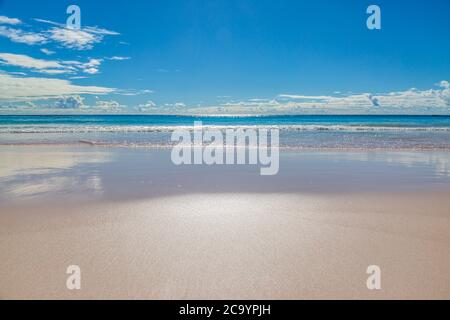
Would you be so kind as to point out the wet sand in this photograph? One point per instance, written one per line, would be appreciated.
(288, 237)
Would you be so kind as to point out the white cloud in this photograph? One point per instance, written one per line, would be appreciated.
(19, 36)
(162, 70)
(175, 105)
(302, 97)
(18, 73)
(148, 106)
(49, 22)
(83, 39)
(74, 39)
(50, 66)
(373, 100)
(7, 20)
(78, 77)
(110, 105)
(14, 88)
(23, 61)
(117, 58)
(69, 102)
(411, 101)
(101, 31)
(52, 71)
(444, 84)
(92, 67)
(91, 70)
(133, 92)
(47, 51)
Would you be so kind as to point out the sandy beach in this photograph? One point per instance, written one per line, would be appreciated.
(224, 150)
(154, 232)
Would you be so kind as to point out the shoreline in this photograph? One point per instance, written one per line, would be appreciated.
(281, 148)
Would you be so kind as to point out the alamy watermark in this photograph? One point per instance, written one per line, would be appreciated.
(374, 280)
(74, 20)
(374, 20)
(73, 281)
(227, 147)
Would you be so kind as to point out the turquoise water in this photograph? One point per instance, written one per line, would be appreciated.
(164, 120)
(410, 132)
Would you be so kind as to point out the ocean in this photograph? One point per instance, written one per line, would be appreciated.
(296, 132)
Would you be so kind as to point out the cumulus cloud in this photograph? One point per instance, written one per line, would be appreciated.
(92, 67)
(411, 101)
(110, 105)
(148, 106)
(444, 84)
(69, 102)
(73, 104)
(13, 88)
(373, 100)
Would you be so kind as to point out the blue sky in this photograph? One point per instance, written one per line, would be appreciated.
(229, 56)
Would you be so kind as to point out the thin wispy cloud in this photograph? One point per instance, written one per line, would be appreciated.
(14, 88)
(37, 65)
(78, 77)
(118, 58)
(133, 92)
(17, 35)
(20, 36)
(83, 39)
(50, 66)
(47, 52)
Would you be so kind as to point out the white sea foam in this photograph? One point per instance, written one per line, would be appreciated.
(136, 129)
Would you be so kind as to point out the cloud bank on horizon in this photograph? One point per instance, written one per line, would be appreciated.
(46, 67)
